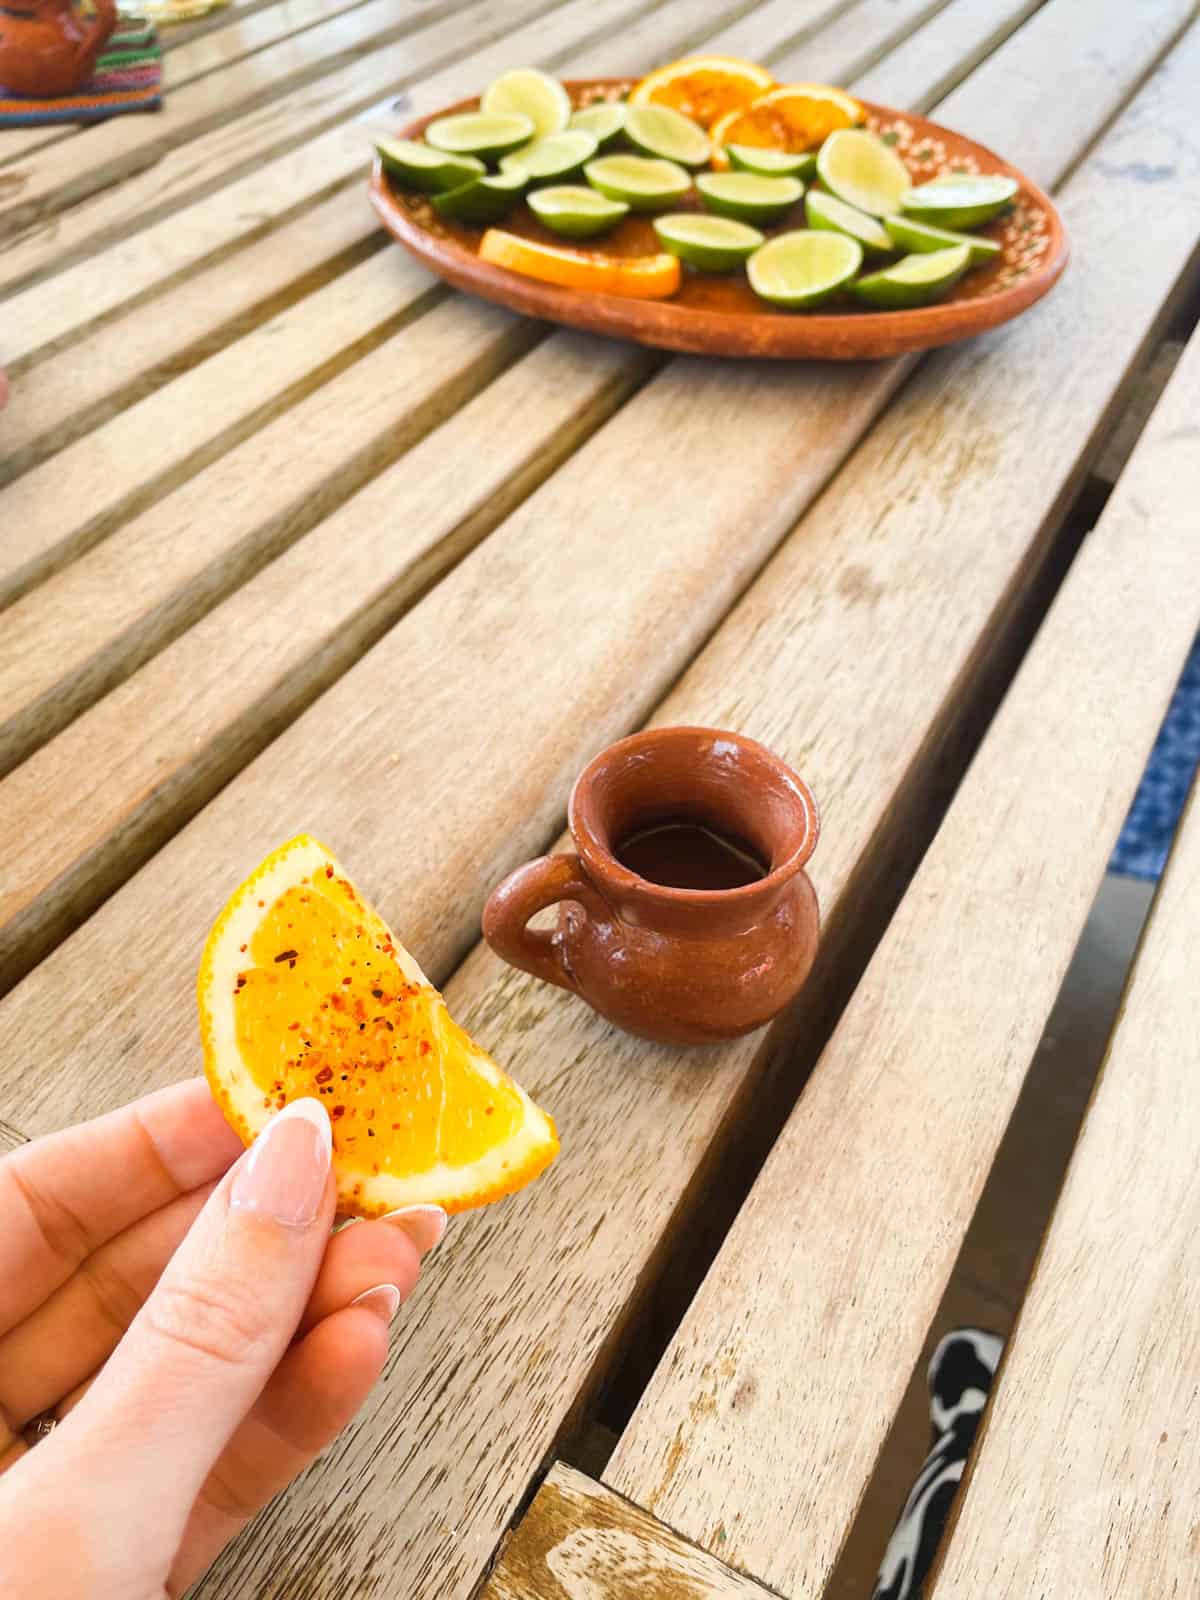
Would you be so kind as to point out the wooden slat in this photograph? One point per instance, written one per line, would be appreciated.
(215, 697)
(1087, 1474)
(746, 1439)
(92, 624)
(53, 179)
(10, 1139)
(521, 1307)
(579, 1541)
(775, 27)
(873, 28)
(268, 141)
(938, 55)
(1133, 38)
(71, 393)
(124, 465)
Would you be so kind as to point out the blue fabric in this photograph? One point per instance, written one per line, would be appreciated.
(1150, 826)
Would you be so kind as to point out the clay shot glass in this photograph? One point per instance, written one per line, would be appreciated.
(677, 965)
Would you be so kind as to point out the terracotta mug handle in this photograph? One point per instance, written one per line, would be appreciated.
(522, 895)
(105, 25)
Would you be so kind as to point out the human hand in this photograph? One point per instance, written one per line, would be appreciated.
(184, 1309)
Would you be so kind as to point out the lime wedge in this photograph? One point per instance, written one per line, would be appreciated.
(642, 183)
(558, 156)
(416, 166)
(799, 269)
(605, 121)
(921, 237)
(576, 212)
(662, 131)
(531, 94)
(914, 281)
(713, 244)
(827, 211)
(959, 200)
(747, 196)
(482, 199)
(772, 163)
(475, 133)
(863, 172)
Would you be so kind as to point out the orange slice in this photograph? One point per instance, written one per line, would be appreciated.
(796, 117)
(642, 277)
(304, 991)
(704, 88)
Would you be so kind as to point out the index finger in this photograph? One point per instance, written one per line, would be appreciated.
(63, 1196)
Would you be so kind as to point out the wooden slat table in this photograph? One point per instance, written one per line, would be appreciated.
(296, 538)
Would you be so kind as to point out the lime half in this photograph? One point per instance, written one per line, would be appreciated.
(863, 172)
(921, 237)
(827, 211)
(662, 131)
(748, 197)
(416, 166)
(531, 94)
(772, 163)
(549, 160)
(575, 211)
(713, 244)
(481, 199)
(914, 281)
(959, 200)
(605, 121)
(641, 182)
(800, 269)
(476, 133)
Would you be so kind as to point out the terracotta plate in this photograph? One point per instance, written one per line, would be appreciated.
(722, 316)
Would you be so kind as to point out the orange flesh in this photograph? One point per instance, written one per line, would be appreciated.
(705, 96)
(323, 1009)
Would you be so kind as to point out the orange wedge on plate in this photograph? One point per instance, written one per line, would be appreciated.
(303, 990)
(796, 117)
(642, 277)
(704, 88)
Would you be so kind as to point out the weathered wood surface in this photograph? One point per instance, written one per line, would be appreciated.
(636, 1128)
(744, 1440)
(579, 1541)
(10, 1139)
(936, 57)
(1087, 1472)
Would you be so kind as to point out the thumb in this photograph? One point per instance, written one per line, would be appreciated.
(200, 1351)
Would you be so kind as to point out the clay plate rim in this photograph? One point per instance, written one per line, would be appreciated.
(771, 335)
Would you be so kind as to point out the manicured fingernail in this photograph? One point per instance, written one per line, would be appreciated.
(383, 1300)
(284, 1174)
(424, 1225)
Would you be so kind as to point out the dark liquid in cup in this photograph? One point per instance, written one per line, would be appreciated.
(686, 855)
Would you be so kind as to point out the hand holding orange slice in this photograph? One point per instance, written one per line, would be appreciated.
(704, 88)
(641, 277)
(794, 117)
(303, 990)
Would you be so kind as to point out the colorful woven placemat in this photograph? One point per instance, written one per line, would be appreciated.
(128, 77)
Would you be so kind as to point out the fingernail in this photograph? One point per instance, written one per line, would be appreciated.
(284, 1174)
(383, 1300)
(424, 1225)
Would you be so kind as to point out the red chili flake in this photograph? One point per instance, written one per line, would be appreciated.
(370, 1133)
(371, 1116)
(287, 955)
(424, 1047)
(395, 1126)
(345, 983)
(262, 902)
(489, 1111)
(242, 948)
(378, 993)
(338, 1111)
(325, 1074)
(241, 983)
(293, 1027)
(328, 872)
